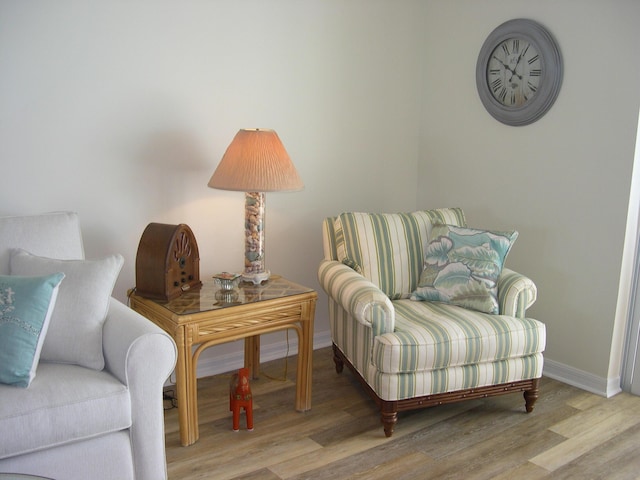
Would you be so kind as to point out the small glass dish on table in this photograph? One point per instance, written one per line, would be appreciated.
(226, 281)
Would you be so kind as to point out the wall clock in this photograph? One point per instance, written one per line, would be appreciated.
(519, 72)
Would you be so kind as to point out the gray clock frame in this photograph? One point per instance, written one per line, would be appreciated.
(550, 81)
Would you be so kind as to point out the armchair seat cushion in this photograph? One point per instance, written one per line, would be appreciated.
(61, 407)
(431, 336)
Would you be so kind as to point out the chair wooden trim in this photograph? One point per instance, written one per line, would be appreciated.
(389, 409)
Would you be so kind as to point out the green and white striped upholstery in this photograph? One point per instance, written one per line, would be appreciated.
(431, 335)
(329, 238)
(516, 293)
(389, 247)
(403, 348)
(402, 386)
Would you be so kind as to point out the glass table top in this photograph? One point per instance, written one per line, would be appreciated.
(211, 297)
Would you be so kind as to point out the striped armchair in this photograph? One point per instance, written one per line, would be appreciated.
(412, 354)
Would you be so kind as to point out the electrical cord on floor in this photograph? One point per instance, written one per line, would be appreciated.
(286, 364)
(169, 399)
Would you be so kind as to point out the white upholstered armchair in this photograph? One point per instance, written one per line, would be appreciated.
(423, 312)
(91, 407)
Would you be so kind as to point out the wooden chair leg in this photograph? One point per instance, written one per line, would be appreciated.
(531, 396)
(389, 417)
(337, 360)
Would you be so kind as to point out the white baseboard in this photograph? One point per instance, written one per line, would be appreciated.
(213, 364)
(581, 379)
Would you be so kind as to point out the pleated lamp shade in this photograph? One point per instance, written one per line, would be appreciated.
(256, 161)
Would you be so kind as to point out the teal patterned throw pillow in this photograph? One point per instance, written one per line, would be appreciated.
(462, 266)
(26, 305)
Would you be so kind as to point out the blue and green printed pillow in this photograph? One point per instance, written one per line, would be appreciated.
(462, 266)
(26, 305)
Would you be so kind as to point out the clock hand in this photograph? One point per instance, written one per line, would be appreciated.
(520, 58)
(506, 67)
(515, 68)
(502, 63)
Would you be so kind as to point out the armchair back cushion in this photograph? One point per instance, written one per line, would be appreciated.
(388, 248)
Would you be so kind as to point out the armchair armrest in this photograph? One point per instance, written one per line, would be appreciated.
(142, 356)
(516, 293)
(358, 296)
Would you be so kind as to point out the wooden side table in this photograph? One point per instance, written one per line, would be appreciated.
(208, 316)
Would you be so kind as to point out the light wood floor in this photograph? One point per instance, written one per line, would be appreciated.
(571, 434)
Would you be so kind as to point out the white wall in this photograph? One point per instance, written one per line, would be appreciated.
(563, 182)
(121, 110)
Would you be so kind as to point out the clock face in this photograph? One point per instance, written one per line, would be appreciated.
(519, 72)
(514, 72)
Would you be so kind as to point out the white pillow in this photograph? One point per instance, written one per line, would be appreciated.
(75, 331)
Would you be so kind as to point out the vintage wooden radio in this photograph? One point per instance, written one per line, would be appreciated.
(167, 262)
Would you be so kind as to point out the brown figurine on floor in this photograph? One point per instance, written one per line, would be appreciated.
(240, 397)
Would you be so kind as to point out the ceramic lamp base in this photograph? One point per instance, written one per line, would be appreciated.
(256, 278)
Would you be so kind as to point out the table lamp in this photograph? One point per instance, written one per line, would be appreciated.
(255, 162)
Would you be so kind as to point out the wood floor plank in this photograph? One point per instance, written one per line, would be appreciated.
(585, 400)
(616, 458)
(262, 474)
(580, 423)
(402, 467)
(592, 438)
(525, 471)
(243, 462)
(499, 450)
(474, 426)
(570, 434)
(347, 447)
